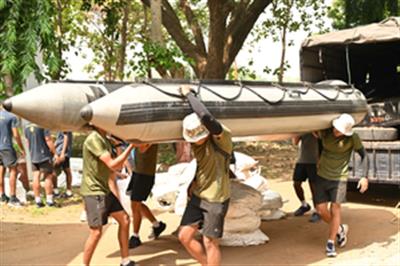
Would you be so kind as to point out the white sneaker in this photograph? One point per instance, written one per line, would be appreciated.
(83, 216)
(341, 236)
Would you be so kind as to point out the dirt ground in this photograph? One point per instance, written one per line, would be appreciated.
(56, 237)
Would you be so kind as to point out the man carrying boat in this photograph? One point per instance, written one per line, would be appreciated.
(100, 193)
(209, 192)
(338, 143)
(139, 188)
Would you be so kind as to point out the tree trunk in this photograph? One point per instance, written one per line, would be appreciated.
(283, 56)
(156, 34)
(60, 31)
(122, 50)
(8, 81)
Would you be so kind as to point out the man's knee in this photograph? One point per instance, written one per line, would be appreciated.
(96, 233)
(210, 243)
(335, 207)
(136, 206)
(184, 235)
(297, 184)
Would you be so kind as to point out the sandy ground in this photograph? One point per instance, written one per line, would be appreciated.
(56, 237)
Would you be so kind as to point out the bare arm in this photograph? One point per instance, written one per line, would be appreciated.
(65, 145)
(50, 144)
(118, 162)
(112, 184)
(18, 140)
(296, 140)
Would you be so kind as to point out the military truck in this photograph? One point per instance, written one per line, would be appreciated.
(367, 57)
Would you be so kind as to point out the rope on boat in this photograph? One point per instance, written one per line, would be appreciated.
(308, 86)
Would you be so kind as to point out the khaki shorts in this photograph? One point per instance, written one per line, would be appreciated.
(209, 216)
(99, 207)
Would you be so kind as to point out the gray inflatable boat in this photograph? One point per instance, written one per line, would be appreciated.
(153, 111)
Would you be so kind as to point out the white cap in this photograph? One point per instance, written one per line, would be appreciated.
(344, 124)
(193, 129)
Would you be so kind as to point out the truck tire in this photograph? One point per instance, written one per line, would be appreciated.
(376, 133)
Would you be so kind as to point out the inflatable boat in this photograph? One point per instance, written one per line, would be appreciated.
(56, 105)
(153, 111)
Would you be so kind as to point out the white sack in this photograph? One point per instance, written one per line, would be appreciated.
(243, 224)
(271, 200)
(268, 214)
(243, 162)
(245, 196)
(256, 237)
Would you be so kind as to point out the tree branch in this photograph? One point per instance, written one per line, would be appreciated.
(194, 25)
(173, 26)
(239, 28)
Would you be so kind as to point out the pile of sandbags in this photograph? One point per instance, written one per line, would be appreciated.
(242, 221)
(248, 172)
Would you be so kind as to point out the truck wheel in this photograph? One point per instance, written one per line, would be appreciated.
(376, 133)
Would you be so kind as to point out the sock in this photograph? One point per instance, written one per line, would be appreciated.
(156, 224)
(38, 200)
(56, 191)
(135, 235)
(125, 261)
(304, 203)
(69, 192)
(49, 198)
(330, 241)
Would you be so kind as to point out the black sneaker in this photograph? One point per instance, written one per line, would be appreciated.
(134, 242)
(39, 204)
(341, 237)
(157, 230)
(14, 202)
(131, 263)
(51, 204)
(302, 210)
(4, 199)
(314, 218)
(330, 250)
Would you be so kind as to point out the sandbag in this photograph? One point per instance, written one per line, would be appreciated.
(271, 200)
(271, 214)
(257, 182)
(245, 196)
(243, 224)
(177, 169)
(257, 237)
(243, 162)
(235, 212)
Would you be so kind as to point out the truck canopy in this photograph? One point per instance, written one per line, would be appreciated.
(366, 56)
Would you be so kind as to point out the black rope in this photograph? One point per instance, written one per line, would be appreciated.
(200, 86)
(265, 99)
(163, 91)
(284, 90)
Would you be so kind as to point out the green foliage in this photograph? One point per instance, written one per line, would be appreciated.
(26, 27)
(289, 16)
(351, 13)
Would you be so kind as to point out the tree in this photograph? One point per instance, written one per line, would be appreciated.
(26, 28)
(229, 24)
(289, 16)
(351, 13)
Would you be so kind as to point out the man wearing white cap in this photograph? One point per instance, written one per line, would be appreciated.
(210, 191)
(338, 143)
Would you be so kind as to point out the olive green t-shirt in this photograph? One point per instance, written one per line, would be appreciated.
(335, 156)
(145, 163)
(212, 174)
(95, 172)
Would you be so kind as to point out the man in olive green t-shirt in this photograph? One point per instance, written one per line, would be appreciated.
(139, 188)
(210, 190)
(100, 195)
(338, 143)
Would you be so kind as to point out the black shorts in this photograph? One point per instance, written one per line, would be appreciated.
(140, 186)
(327, 190)
(210, 216)
(99, 207)
(302, 171)
(63, 165)
(44, 167)
(8, 158)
